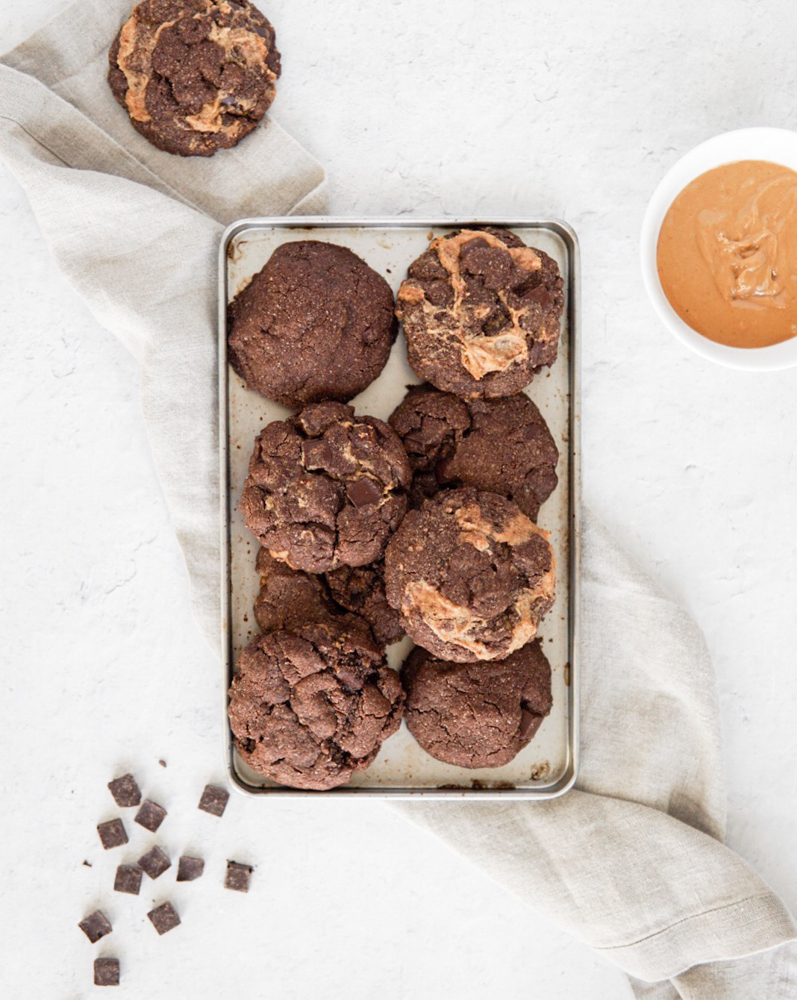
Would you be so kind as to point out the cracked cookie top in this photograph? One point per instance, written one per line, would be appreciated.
(326, 488)
(315, 323)
(195, 76)
(500, 445)
(477, 714)
(361, 590)
(310, 707)
(481, 313)
(470, 575)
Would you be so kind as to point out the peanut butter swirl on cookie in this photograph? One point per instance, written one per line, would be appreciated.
(195, 76)
(470, 575)
(481, 313)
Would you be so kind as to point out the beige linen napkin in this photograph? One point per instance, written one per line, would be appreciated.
(632, 860)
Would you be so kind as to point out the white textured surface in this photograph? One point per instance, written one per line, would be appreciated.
(418, 108)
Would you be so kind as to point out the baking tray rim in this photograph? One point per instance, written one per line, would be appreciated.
(309, 222)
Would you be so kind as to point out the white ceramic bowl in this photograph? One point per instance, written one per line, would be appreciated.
(777, 145)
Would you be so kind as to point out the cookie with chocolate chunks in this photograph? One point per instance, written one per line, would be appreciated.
(326, 488)
(194, 76)
(481, 313)
(500, 445)
(310, 707)
(477, 714)
(470, 575)
(315, 323)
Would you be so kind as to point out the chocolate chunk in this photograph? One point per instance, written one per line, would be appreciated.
(363, 491)
(214, 800)
(125, 791)
(238, 876)
(530, 722)
(154, 862)
(164, 918)
(106, 972)
(128, 879)
(150, 815)
(112, 834)
(95, 926)
(189, 868)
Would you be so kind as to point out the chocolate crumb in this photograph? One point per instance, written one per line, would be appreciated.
(189, 868)
(214, 800)
(106, 972)
(95, 926)
(154, 862)
(238, 876)
(164, 918)
(125, 791)
(128, 879)
(150, 815)
(112, 834)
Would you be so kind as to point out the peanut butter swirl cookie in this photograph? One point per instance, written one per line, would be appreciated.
(195, 76)
(481, 313)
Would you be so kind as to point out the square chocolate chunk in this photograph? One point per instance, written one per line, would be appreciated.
(164, 918)
(154, 862)
(128, 879)
(112, 834)
(95, 926)
(106, 972)
(150, 815)
(214, 800)
(189, 868)
(125, 791)
(237, 876)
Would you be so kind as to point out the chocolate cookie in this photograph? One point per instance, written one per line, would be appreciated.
(311, 707)
(477, 714)
(289, 598)
(500, 445)
(470, 575)
(326, 488)
(361, 590)
(481, 313)
(195, 76)
(315, 323)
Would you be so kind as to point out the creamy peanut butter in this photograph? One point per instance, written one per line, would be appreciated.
(727, 254)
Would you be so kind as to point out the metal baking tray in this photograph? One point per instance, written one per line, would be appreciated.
(547, 767)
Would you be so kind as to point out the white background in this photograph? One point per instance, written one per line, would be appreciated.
(415, 107)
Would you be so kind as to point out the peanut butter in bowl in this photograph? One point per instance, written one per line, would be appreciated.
(726, 254)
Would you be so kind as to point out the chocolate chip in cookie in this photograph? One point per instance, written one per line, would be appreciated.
(311, 707)
(315, 323)
(195, 76)
(477, 714)
(481, 313)
(305, 497)
(500, 445)
(470, 575)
